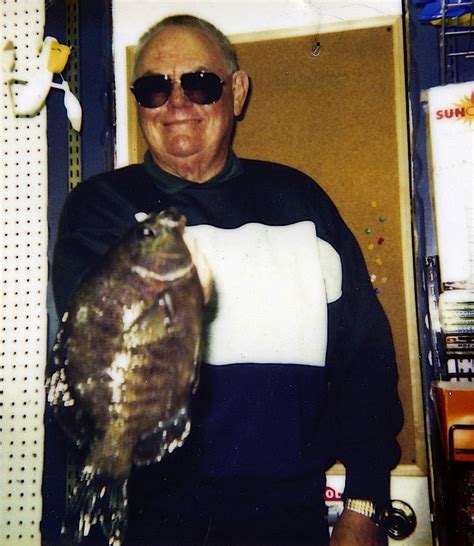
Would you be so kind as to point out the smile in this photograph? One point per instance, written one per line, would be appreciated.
(179, 122)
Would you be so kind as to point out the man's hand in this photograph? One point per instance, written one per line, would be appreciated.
(353, 529)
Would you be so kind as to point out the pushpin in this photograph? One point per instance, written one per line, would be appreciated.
(367, 231)
(379, 261)
(373, 204)
(382, 219)
(380, 240)
(371, 246)
(373, 278)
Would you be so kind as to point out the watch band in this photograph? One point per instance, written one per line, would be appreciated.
(361, 506)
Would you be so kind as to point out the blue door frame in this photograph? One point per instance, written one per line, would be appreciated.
(97, 144)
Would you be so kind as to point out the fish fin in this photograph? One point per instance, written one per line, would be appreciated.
(73, 420)
(153, 323)
(163, 440)
(97, 500)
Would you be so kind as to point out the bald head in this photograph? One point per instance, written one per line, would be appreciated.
(195, 23)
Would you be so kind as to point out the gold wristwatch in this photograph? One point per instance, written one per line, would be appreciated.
(362, 506)
(397, 519)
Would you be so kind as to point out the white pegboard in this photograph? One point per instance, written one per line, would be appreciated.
(23, 254)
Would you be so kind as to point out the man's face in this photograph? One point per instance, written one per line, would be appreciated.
(184, 138)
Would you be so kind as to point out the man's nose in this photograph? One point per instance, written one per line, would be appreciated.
(178, 98)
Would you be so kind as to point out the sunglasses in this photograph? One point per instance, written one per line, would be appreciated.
(154, 90)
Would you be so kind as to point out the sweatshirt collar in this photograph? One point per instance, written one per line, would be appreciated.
(174, 184)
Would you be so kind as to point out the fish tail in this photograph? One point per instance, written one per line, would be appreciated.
(97, 499)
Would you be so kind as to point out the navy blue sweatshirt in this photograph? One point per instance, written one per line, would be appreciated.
(299, 368)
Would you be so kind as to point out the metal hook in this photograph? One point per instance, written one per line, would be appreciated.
(316, 49)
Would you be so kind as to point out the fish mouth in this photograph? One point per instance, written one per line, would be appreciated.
(163, 277)
(169, 255)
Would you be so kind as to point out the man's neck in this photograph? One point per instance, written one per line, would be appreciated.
(174, 182)
(192, 170)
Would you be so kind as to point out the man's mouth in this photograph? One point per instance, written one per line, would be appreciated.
(181, 122)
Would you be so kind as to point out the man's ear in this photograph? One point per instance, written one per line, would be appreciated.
(240, 88)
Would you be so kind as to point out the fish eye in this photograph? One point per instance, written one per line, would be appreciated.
(146, 232)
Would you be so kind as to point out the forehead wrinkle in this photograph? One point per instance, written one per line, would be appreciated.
(162, 50)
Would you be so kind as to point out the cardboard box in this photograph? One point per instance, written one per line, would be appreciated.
(454, 402)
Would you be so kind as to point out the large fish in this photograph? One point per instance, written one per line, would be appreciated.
(125, 365)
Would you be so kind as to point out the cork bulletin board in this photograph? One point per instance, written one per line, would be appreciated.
(332, 104)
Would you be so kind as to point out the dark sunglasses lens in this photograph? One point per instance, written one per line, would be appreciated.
(152, 91)
(202, 87)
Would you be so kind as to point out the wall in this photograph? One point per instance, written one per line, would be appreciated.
(24, 271)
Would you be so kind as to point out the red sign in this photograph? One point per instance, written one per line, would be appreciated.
(330, 494)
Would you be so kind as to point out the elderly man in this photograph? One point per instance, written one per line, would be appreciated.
(299, 369)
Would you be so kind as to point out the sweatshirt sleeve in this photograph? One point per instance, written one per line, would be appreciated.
(363, 381)
(93, 219)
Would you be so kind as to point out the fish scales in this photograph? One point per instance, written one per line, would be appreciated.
(125, 366)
